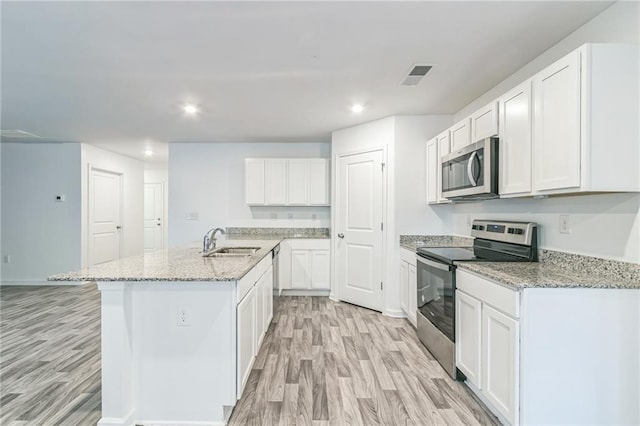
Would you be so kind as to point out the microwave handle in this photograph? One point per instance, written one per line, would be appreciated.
(472, 157)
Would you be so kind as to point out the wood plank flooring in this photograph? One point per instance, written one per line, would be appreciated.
(321, 363)
(329, 363)
(50, 355)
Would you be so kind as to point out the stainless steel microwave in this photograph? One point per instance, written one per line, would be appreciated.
(472, 172)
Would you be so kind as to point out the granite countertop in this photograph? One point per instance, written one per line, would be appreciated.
(176, 264)
(412, 242)
(276, 233)
(521, 275)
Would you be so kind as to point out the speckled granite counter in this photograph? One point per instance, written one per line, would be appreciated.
(412, 242)
(176, 264)
(559, 270)
(276, 233)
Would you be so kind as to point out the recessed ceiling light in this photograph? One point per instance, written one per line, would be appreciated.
(357, 108)
(148, 153)
(190, 109)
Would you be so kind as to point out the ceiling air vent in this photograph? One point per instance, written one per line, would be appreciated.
(416, 74)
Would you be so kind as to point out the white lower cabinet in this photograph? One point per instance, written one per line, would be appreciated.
(468, 340)
(246, 338)
(305, 264)
(408, 284)
(500, 355)
(254, 315)
(488, 342)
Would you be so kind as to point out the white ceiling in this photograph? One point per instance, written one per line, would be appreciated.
(114, 74)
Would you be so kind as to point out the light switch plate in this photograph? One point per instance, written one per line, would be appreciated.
(191, 216)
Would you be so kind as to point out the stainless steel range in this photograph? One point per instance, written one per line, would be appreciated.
(496, 241)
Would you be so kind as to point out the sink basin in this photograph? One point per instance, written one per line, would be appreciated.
(232, 252)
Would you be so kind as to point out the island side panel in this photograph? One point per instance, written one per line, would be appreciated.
(184, 373)
(117, 355)
(583, 341)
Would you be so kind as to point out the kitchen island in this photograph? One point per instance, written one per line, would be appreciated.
(180, 332)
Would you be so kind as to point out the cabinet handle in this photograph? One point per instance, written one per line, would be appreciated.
(340, 235)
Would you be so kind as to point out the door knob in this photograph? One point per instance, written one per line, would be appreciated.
(340, 235)
(118, 227)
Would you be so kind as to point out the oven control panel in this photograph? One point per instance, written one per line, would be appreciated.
(507, 231)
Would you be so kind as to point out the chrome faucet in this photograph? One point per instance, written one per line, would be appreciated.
(209, 241)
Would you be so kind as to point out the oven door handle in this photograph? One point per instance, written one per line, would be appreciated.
(472, 179)
(441, 266)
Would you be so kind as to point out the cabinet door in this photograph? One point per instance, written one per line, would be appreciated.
(413, 296)
(500, 355)
(515, 141)
(468, 332)
(254, 185)
(298, 182)
(276, 182)
(444, 148)
(320, 269)
(556, 125)
(404, 287)
(319, 182)
(259, 334)
(300, 269)
(268, 298)
(461, 134)
(432, 166)
(246, 338)
(284, 265)
(484, 122)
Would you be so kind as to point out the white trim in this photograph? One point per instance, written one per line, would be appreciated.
(37, 282)
(394, 313)
(295, 292)
(117, 421)
(177, 423)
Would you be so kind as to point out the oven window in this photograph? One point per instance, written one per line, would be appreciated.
(435, 297)
(455, 173)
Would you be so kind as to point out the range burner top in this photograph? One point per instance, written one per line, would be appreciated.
(448, 254)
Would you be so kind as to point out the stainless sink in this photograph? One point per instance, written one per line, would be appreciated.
(232, 252)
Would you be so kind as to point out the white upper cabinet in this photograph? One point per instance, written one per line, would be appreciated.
(254, 181)
(484, 122)
(557, 125)
(444, 148)
(298, 182)
(514, 175)
(585, 122)
(460, 134)
(276, 181)
(432, 161)
(287, 181)
(319, 182)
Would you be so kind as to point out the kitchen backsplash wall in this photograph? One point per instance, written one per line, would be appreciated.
(208, 179)
(605, 225)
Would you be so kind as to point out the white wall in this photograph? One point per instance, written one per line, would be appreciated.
(602, 225)
(161, 176)
(41, 236)
(208, 179)
(132, 171)
(412, 214)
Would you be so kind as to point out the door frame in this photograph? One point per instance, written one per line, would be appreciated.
(335, 208)
(90, 170)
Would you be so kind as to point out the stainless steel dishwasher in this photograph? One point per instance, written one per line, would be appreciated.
(276, 275)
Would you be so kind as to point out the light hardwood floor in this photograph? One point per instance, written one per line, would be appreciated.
(321, 362)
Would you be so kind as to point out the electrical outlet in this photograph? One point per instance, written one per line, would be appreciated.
(191, 216)
(565, 224)
(289, 215)
(469, 220)
(273, 215)
(7, 258)
(314, 216)
(182, 319)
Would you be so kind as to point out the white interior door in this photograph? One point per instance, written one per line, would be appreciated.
(105, 216)
(153, 214)
(359, 229)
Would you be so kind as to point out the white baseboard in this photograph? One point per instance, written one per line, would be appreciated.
(291, 292)
(175, 423)
(394, 313)
(117, 421)
(35, 282)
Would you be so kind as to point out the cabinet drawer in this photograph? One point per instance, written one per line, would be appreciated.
(501, 298)
(309, 244)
